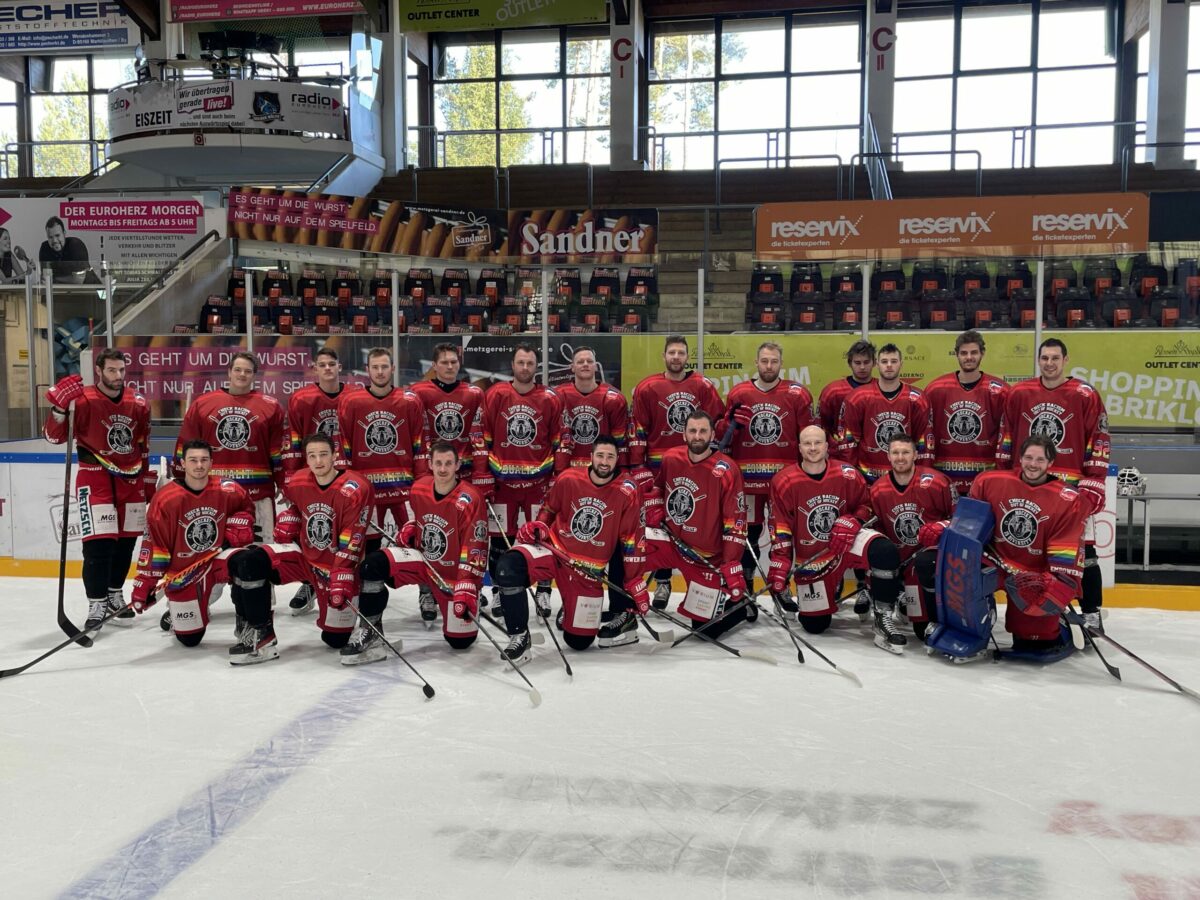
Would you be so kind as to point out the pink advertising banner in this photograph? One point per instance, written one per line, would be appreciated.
(217, 10)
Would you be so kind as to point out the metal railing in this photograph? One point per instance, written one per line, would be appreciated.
(328, 175)
(548, 135)
(95, 172)
(13, 149)
(1133, 146)
(741, 159)
(159, 280)
(854, 160)
(877, 174)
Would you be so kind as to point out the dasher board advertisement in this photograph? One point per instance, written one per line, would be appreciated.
(1047, 224)
(218, 10)
(64, 27)
(472, 15)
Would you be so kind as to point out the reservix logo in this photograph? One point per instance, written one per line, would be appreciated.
(841, 227)
(1109, 221)
(973, 224)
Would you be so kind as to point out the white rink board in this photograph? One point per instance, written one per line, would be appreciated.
(139, 768)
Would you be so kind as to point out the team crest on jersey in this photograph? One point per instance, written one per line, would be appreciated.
(233, 432)
(201, 534)
(120, 438)
(677, 414)
(680, 505)
(586, 523)
(1048, 424)
(585, 427)
(480, 530)
(886, 429)
(521, 429)
(964, 426)
(765, 427)
(319, 530)
(433, 542)
(448, 423)
(381, 436)
(1018, 527)
(328, 426)
(820, 521)
(907, 525)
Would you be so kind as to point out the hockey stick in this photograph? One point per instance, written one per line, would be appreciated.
(1074, 618)
(692, 555)
(69, 628)
(530, 594)
(4, 673)
(427, 688)
(745, 654)
(534, 696)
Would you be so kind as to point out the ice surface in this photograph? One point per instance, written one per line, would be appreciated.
(139, 767)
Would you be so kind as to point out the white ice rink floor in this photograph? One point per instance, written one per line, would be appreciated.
(140, 768)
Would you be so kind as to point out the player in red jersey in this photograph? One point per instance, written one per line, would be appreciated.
(1071, 413)
(447, 536)
(247, 432)
(818, 510)
(452, 407)
(872, 415)
(701, 504)
(861, 359)
(383, 439)
(590, 515)
(658, 413)
(768, 413)
(966, 413)
(590, 409)
(312, 410)
(113, 478)
(522, 429)
(1038, 532)
(908, 497)
(319, 539)
(195, 526)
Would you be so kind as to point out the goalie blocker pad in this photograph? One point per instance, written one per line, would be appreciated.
(964, 586)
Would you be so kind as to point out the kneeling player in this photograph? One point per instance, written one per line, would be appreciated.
(703, 527)
(188, 523)
(818, 509)
(444, 546)
(327, 518)
(587, 515)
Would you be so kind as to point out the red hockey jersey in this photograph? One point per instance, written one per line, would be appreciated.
(602, 410)
(1072, 415)
(870, 420)
(829, 404)
(903, 509)
(311, 411)
(333, 519)
(453, 531)
(112, 433)
(590, 522)
(706, 505)
(804, 508)
(383, 439)
(247, 434)
(183, 525)
(521, 434)
(772, 439)
(659, 412)
(453, 415)
(965, 425)
(1038, 529)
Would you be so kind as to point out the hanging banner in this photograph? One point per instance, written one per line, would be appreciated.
(219, 10)
(1040, 224)
(32, 27)
(472, 15)
(606, 236)
(158, 106)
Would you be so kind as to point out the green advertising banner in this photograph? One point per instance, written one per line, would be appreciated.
(472, 15)
(1149, 379)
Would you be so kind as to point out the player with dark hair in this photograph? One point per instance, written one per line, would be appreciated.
(590, 516)
(861, 360)
(1071, 413)
(966, 413)
(113, 478)
(658, 414)
(447, 535)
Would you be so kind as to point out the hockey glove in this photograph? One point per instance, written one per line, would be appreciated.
(1058, 592)
(741, 416)
(143, 596)
(466, 600)
(535, 532)
(636, 589)
(643, 478)
(1091, 496)
(845, 530)
(931, 533)
(409, 536)
(777, 576)
(67, 391)
(239, 529)
(735, 580)
(656, 510)
(287, 526)
(341, 588)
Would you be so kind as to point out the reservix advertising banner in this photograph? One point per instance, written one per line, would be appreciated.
(468, 15)
(253, 105)
(135, 238)
(1042, 224)
(64, 27)
(217, 10)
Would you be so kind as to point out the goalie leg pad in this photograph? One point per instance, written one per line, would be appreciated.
(963, 589)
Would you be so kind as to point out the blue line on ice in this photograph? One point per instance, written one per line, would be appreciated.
(164, 851)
